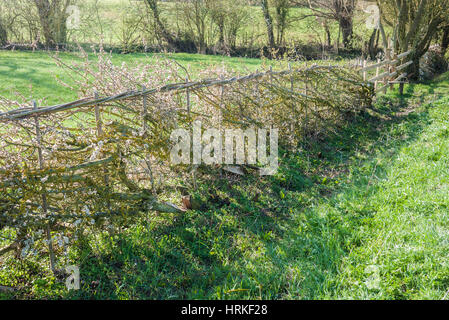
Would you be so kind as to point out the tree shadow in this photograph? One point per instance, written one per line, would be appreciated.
(274, 237)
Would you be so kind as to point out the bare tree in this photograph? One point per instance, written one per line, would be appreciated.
(325, 24)
(341, 11)
(276, 20)
(282, 9)
(219, 14)
(268, 22)
(196, 15)
(20, 20)
(3, 33)
(228, 16)
(52, 17)
(161, 28)
(415, 23)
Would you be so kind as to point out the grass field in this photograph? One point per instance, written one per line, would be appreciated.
(362, 214)
(34, 74)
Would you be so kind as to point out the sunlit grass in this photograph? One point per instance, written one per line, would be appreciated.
(34, 74)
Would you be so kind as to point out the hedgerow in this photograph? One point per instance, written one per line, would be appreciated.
(100, 161)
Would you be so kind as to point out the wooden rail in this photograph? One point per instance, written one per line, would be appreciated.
(390, 75)
(95, 101)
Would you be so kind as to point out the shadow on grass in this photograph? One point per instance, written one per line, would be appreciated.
(30, 76)
(277, 237)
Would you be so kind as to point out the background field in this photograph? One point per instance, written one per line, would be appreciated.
(35, 74)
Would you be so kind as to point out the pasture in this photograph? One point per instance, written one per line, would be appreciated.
(35, 74)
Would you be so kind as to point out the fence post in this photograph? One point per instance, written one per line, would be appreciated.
(401, 88)
(377, 74)
(393, 68)
(387, 68)
(306, 107)
(188, 99)
(257, 96)
(291, 75)
(44, 192)
(191, 138)
(145, 110)
(222, 90)
(97, 117)
(145, 130)
(292, 127)
(99, 134)
(364, 71)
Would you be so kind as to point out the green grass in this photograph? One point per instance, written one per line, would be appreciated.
(34, 74)
(405, 199)
(362, 214)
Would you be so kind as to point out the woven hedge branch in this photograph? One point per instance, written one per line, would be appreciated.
(121, 171)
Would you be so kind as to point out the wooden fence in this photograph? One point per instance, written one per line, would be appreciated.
(388, 78)
(98, 164)
(387, 73)
(94, 101)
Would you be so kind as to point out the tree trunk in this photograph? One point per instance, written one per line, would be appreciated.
(372, 46)
(413, 72)
(162, 30)
(60, 26)
(221, 38)
(344, 14)
(445, 41)
(346, 26)
(3, 34)
(45, 18)
(327, 33)
(420, 48)
(53, 18)
(269, 23)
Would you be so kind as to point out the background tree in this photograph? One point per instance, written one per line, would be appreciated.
(344, 10)
(161, 28)
(228, 16)
(52, 17)
(3, 33)
(268, 22)
(280, 9)
(21, 21)
(373, 44)
(341, 11)
(281, 16)
(196, 15)
(217, 9)
(416, 24)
